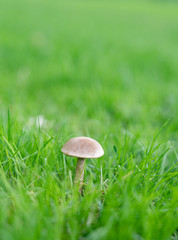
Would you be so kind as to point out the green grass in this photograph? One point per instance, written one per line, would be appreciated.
(107, 70)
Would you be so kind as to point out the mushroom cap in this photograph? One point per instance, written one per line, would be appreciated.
(83, 147)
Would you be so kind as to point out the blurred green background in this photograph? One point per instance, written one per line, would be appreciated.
(92, 64)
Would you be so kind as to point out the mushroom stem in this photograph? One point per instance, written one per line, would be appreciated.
(79, 173)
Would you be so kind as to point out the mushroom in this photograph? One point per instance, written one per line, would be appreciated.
(82, 148)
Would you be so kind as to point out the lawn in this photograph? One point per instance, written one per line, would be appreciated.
(103, 69)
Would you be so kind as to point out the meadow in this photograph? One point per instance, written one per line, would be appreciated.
(103, 69)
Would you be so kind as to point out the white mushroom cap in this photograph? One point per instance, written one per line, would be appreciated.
(83, 147)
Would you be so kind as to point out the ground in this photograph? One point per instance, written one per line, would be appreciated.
(103, 69)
